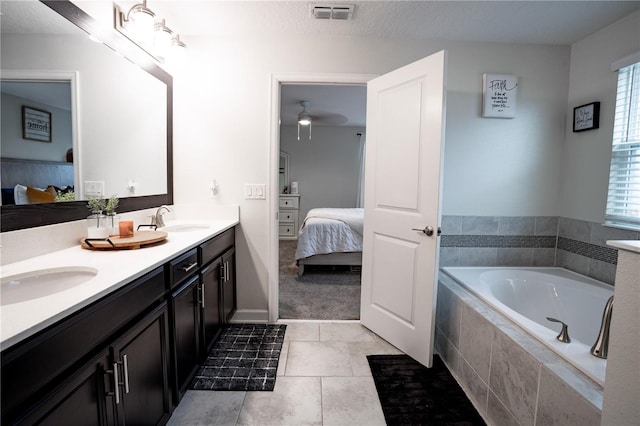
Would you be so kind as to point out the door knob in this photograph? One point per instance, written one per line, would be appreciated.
(428, 230)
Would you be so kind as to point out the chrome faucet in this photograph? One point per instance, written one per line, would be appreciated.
(159, 222)
(564, 333)
(601, 347)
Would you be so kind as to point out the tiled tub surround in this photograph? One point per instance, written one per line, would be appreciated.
(574, 244)
(511, 378)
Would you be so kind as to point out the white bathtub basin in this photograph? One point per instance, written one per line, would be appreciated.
(43, 282)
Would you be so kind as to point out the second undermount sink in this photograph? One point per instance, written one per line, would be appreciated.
(185, 227)
(43, 282)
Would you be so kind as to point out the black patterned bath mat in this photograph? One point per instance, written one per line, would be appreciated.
(244, 358)
(411, 394)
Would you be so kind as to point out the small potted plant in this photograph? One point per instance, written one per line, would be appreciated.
(112, 218)
(96, 222)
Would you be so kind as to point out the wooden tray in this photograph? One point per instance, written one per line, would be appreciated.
(140, 239)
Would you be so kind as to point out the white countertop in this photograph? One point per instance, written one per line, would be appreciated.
(629, 245)
(115, 269)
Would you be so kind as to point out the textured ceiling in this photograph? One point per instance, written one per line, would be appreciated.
(524, 22)
(544, 22)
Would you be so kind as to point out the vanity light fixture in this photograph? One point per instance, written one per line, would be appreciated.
(139, 25)
(304, 118)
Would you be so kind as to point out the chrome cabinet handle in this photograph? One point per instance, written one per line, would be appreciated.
(226, 271)
(115, 392)
(202, 296)
(189, 267)
(126, 373)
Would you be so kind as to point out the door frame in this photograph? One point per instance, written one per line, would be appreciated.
(274, 157)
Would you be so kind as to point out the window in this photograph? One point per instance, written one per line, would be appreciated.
(623, 200)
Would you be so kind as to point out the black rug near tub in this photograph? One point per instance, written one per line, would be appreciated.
(411, 394)
(243, 358)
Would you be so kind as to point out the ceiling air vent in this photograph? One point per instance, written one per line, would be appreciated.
(331, 11)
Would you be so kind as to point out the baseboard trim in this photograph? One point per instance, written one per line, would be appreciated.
(250, 315)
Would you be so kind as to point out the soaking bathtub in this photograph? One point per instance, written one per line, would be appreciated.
(527, 296)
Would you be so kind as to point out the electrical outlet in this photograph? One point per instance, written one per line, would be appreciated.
(93, 188)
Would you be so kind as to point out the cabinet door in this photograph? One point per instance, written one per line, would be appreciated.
(186, 334)
(228, 284)
(142, 358)
(211, 319)
(80, 400)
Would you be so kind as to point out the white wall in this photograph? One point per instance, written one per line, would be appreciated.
(492, 166)
(14, 146)
(586, 155)
(326, 168)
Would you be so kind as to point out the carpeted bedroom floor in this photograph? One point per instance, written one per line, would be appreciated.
(322, 293)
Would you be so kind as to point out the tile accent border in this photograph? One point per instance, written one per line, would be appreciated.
(530, 241)
(498, 241)
(604, 254)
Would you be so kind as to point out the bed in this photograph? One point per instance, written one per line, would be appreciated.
(19, 175)
(330, 236)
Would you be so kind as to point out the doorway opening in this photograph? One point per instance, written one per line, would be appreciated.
(317, 171)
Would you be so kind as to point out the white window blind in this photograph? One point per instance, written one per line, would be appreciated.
(623, 201)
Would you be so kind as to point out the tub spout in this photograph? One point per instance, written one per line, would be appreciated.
(564, 333)
(601, 347)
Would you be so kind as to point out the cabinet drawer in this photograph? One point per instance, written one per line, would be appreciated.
(183, 267)
(213, 248)
(289, 202)
(287, 230)
(288, 216)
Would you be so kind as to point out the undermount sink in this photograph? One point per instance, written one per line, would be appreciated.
(184, 227)
(44, 282)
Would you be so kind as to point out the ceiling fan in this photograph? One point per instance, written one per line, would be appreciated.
(306, 118)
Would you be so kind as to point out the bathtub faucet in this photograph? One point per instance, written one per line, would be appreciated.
(564, 333)
(601, 347)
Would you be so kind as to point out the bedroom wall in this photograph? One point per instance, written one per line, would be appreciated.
(326, 168)
(492, 166)
(14, 146)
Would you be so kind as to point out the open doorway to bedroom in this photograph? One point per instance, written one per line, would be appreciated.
(320, 200)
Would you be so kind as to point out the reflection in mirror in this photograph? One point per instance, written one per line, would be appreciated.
(38, 137)
(283, 176)
(125, 123)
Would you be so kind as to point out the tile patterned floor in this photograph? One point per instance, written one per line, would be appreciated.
(323, 379)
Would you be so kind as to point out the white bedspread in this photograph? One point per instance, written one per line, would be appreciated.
(328, 230)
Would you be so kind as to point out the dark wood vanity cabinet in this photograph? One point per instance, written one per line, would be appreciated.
(141, 355)
(211, 315)
(218, 282)
(186, 319)
(128, 358)
(228, 284)
(71, 372)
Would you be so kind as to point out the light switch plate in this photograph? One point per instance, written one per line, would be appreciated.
(93, 188)
(255, 191)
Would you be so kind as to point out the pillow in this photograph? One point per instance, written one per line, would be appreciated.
(36, 196)
(20, 194)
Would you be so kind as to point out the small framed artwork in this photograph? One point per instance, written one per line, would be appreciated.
(36, 124)
(586, 117)
(500, 93)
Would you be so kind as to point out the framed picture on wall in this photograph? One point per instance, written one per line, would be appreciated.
(586, 117)
(36, 124)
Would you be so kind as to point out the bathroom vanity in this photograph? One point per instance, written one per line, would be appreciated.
(123, 347)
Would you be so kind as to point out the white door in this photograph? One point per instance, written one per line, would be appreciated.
(405, 135)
